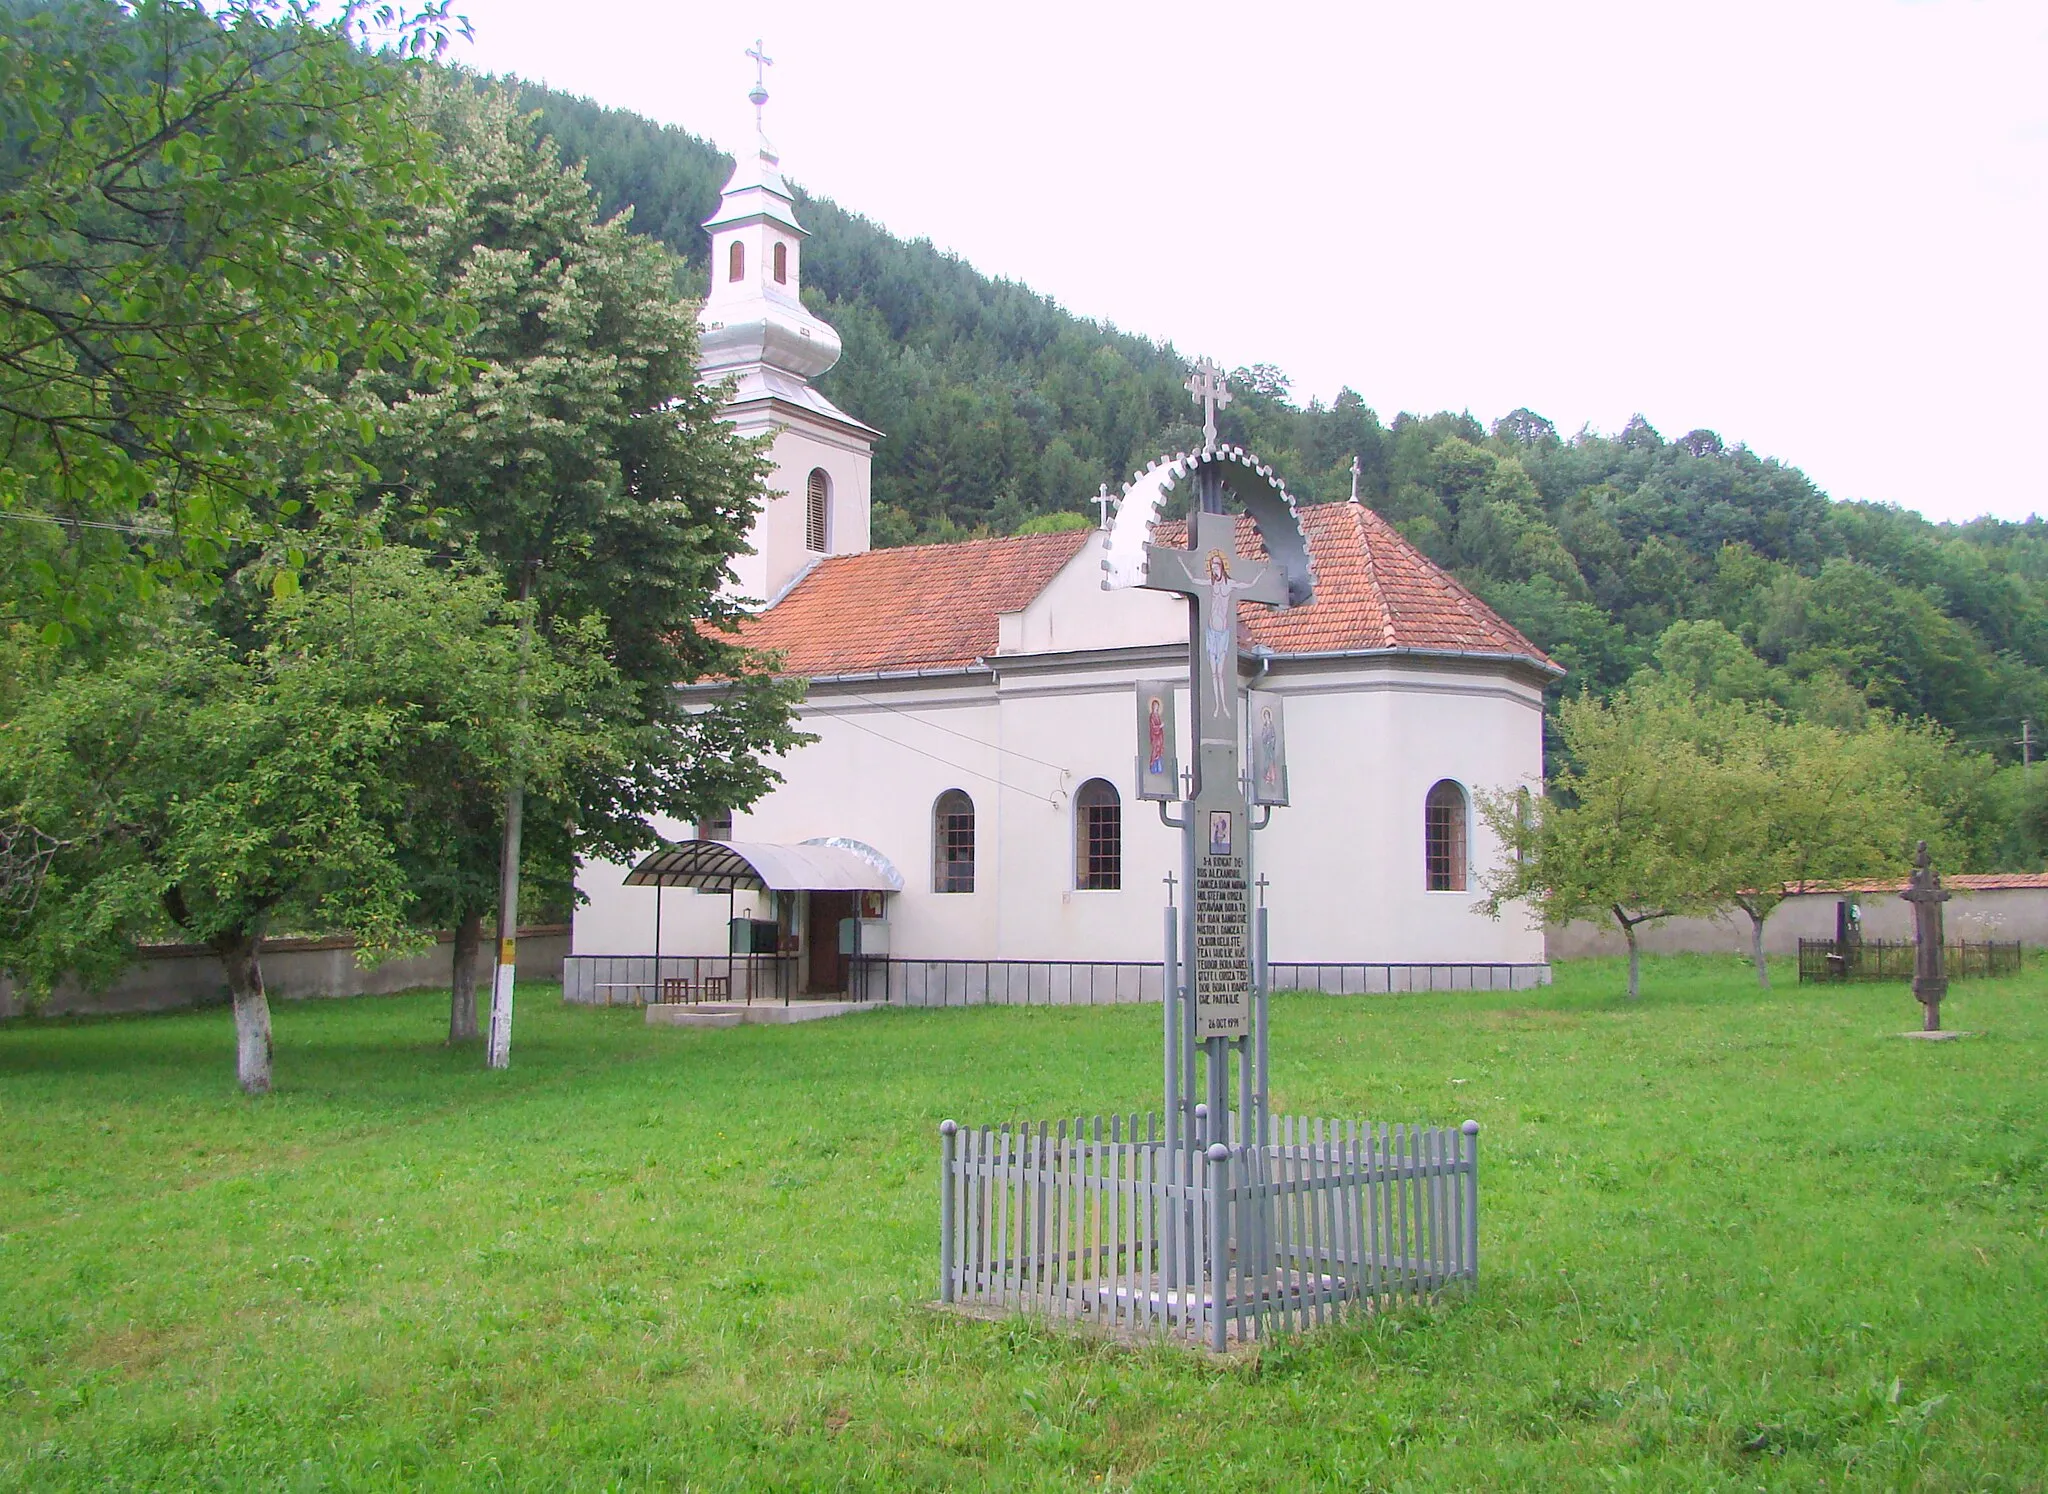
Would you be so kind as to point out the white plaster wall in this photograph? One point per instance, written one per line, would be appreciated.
(1074, 612)
(1085, 721)
(756, 276)
(777, 538)
(1347, 858)
(1365, 742)
(2000, 913)
(882, 758)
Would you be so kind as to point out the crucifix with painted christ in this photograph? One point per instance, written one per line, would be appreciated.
(1216, 955)
(1215, 578)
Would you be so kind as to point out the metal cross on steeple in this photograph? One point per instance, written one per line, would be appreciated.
(1103, 500)
(1356, 470)
(758, 94)
(1212, 391)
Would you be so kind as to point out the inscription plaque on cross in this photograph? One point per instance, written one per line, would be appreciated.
(1215, 578)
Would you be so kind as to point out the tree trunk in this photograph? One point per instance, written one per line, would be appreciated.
(498, 1046)
(238, 957)
(498, 1049)
(462, 985)
(1756, 948)
(1635, 957)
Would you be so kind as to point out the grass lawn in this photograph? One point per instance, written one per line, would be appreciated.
(1729, 1240)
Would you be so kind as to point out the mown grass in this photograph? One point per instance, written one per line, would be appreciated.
(1729, 1240)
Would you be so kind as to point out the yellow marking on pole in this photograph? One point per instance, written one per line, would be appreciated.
(508, 951)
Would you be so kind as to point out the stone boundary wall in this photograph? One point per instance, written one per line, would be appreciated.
(1997, 913)
(169, 977)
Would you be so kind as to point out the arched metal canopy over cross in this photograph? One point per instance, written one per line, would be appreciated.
(1246, 480)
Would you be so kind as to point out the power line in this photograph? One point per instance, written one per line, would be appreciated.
(956, 767)
(963, 736)
(27, 518)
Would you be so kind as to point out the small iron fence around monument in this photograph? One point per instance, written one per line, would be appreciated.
(1100, 1222)
(1824, 960)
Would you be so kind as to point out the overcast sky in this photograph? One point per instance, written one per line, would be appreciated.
(1815, 226)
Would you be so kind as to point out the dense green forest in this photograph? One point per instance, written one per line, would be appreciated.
(1616, 553)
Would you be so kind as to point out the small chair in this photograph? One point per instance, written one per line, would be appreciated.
(675, 988)
(717, 988)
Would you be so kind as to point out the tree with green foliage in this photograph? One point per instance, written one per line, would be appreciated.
(581, 459)
(1055, 524)
(192, 224)
(1625, 829)
(444, 647)
(1798, 804)
(199, 786)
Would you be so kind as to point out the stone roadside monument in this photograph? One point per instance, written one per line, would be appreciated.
(1930, 950)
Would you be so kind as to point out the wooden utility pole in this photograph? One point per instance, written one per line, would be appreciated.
(498, 1046)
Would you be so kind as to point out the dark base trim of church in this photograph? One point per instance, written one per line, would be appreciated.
(606, 980)
(909, 982)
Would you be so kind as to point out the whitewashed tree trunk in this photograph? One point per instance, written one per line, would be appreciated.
(462, 982)
(498, 1047)
(1635, 962)
(1756, 948)
(238, 957)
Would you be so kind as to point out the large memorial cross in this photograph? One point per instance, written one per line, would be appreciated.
(1215, 578)
(1212, 973)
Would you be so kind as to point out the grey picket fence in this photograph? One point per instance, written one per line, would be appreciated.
(1101, 1221)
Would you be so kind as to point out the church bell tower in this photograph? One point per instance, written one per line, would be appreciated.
(755, 330)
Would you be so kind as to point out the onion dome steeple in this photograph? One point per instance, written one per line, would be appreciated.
(754, 325)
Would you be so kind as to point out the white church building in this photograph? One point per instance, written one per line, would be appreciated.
(965, 825)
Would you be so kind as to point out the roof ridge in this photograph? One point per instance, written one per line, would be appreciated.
(1475, 606)
(975, 539)
(1372, 572)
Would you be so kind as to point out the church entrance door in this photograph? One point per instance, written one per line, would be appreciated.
(828, 965)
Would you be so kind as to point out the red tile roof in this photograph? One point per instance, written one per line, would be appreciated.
(908, 608)
(935, 606)
(1373, 590)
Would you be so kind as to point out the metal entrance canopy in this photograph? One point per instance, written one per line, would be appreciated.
(832, 865)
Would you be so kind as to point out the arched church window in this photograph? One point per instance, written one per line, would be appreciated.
(1098, 837)
(953, 842)
(817, 499)
(1445, 818)
(736, 261)
(782, 264)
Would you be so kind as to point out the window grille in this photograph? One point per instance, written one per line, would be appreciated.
(782, 264)
(736, 261)
(1444, 819)
(715, 826)
(953, 843)
(1098, 837)
(817, 492)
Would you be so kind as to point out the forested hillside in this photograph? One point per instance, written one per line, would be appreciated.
(1617, 553)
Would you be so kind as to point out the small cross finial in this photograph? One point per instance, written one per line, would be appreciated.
(758, 94)
(1356, 470)
(1102, 503)
(1212, 391)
